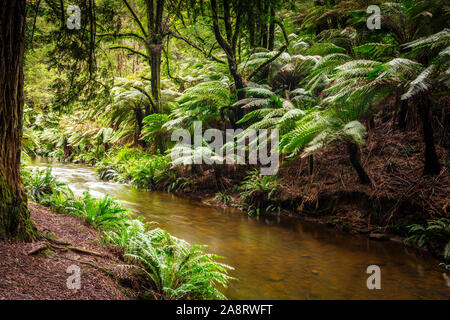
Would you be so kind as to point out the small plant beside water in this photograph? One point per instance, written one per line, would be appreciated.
(107, 172)
(435, 235)
(41, 184)
(103, 213)
(223, 197)
(259, 193)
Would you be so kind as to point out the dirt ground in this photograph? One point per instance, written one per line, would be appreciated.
(43, 275)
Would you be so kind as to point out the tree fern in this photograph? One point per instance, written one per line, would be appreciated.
(202, 102)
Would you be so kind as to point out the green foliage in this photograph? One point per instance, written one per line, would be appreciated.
(223, 197)
(260, 193)
(104, 213)
(176, 269)
(41, 184)
(200, 103)
(142, 170)
(172, 268)
(153, 175)
(60, 201)
(154, 131)
(435, 235)
(330, 74)
(320, 129)
(121, 237)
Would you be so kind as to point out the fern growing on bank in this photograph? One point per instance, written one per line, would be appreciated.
(41, 184)
(172, 268)
(104, 213)
(260, 193)
(176, 269)
(435, 235)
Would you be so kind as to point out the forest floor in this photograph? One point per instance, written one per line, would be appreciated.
(399, 194)
(39, 269)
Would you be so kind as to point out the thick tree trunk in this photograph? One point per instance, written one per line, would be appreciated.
(432, 165)
(264, 36)
(240, 86)
(355, 159)
(14, 215)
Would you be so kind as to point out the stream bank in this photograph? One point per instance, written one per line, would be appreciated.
(276, 257)
(28, 271)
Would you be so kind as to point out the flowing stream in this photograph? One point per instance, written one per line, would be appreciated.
(277, 258)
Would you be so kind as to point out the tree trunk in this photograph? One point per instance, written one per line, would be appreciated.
(251, 34)
(14, 215)
(139, 125)
(156, 75)
(67, 150)
(272, 29)
(355, 159)
(240, 86)
(311, 164)
(264, 35)
(432, 165)
(401, 122)
(229, 46)
(154, 46)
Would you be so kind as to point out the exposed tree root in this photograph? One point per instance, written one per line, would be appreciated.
(65, 247)
(93, 265)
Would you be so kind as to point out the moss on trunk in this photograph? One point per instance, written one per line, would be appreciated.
(14, 215)
(15, 218)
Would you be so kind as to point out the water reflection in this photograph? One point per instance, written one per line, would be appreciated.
(273, 259)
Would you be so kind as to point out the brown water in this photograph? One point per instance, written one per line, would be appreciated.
(285, 259)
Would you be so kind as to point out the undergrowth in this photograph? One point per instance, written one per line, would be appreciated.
(170, 267)
(435, 235)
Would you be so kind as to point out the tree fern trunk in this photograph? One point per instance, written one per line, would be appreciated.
(432, 165)
(139, 125)
(401, 121)
(271, 44)
(311, 164)
(14, 215)
(263, 24)
(355, 159)
(251, 33)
